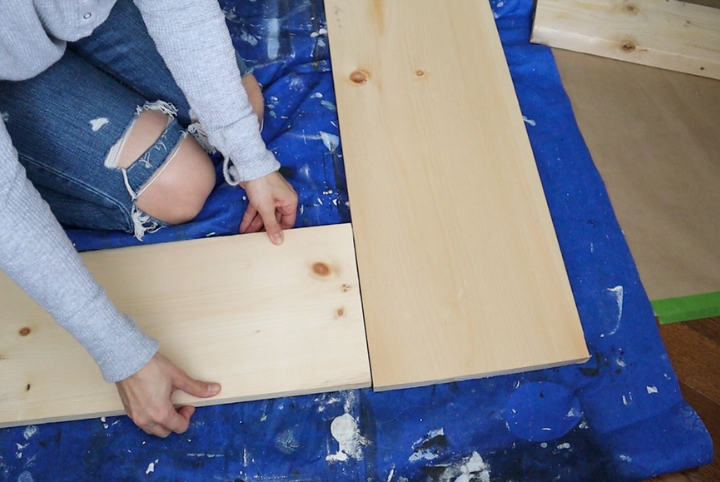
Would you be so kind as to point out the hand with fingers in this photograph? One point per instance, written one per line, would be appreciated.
(272, 206)
(146, 396)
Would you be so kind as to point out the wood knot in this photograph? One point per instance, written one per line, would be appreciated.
(630, 8)
(346, 288)
(628, 46)
(341, 312)
(24, 331)
(359, 77)
(27, 389)
(419, 72)
(321, 269)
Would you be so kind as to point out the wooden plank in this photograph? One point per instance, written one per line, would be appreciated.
(668, 34)
(265, 321)
(459, 265)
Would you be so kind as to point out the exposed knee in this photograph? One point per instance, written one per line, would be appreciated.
(179, 188)
(178, 191)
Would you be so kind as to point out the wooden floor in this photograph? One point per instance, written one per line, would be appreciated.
(694, 349)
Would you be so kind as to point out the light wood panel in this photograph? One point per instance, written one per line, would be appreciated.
(667, 34)
(265, 321)
(459, 265)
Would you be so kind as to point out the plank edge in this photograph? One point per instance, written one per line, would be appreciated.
(576, 361)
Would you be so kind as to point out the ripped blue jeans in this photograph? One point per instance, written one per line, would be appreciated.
(68, 122)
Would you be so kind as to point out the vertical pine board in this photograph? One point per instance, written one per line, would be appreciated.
(460, 269)
(265, 321)
(667, 34)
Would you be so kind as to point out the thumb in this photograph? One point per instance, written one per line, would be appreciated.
(194, 387)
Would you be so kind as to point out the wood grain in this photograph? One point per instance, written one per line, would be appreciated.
(460, 269)
(265, 321)
(667, 34)
(693, 347)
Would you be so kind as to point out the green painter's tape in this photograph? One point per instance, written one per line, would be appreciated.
(687, 308)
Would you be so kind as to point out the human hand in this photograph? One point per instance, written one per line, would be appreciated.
(146, 396)
(272, 205)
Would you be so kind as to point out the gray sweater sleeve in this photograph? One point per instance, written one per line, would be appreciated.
(192, 37)
(35, 252)
(38, 256)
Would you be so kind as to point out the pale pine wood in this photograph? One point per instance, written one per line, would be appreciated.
(459, 265)
(668, 34)
(265, 321)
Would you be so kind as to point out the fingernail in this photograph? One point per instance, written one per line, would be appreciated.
(214, 387)
(277, 238)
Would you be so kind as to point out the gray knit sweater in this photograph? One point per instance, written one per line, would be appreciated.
(192, 37)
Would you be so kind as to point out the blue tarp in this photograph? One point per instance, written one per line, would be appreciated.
(618, 417)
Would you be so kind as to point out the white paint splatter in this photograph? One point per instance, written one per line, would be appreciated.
(331, 141)
(96, 124)
(572, 413)
(246, 37)
(625, 458)
(621, 363)
(423, 455)
(625, 402)
(470, 469)
(25, 477)
(29, 432)
(619, 294)
(474, 470)
(328, 105)
(543, 445)
(230, 15)
(652, 389)
(563, 446)
(286, 442)
(390, 475)
(345, 431)
(273, 38)
(317, 95)
(529, 121)
(426, 454)
(151, 467)
(592, 248)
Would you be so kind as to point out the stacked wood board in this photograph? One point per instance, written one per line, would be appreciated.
(264, 321)
(659, 33)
